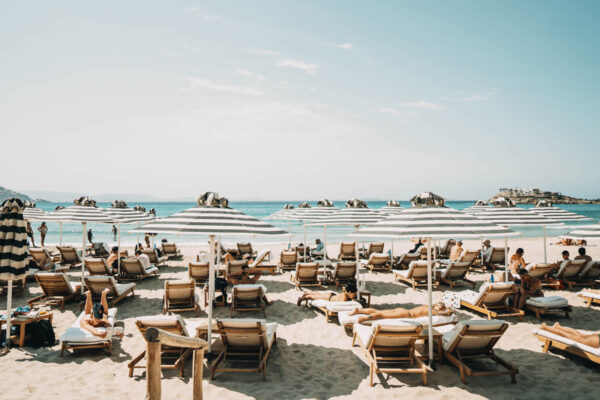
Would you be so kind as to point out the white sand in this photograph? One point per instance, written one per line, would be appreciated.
(313, 358)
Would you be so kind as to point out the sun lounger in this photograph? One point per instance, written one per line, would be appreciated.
(331, 309)
(245, 341)
(248, 297)
(562, 343)
(379, 262)
(56, 289)
(491, 300)
(475, 339)
(98, 266)
(589, 275)
(69, 256)
(154, 258)
(233, 267)
(387, 345)
(548, 305)
(403, 262)
(342, 273)
(455, 273)
(497, 258)
(199, 272)
(41, 254)
(19, 285)
(246, 248)
(540, 271)
(259, 262)
(444, 249)
(347, 251)
(180, 296)
(373, 248)
(77, 338)
(170, 250)
(306, 274)
(567, 273)
(100, 250)
(288, 260)
(132, 268)
(172, 357)
(348, 321)
(590, 297)
(415, 275)
(118, 291)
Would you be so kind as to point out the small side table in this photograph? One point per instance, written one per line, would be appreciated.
(367, 295)
(22, 323)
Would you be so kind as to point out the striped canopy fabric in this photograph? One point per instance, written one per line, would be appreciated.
(311, 214)
(589, 232)
(13, 240)
(282, 214)
(476, 209)
(34, 214)
(390, 210)
(350, 216)
(129, 215)
(559, 214)
(82, 214)
(202, 220)
(433, 222)
(514, 216)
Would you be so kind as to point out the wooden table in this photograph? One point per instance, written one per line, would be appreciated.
(22, 323)
(437, 345)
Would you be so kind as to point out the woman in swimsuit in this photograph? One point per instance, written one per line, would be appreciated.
(419, 311)
(592, 340)
(349, 294)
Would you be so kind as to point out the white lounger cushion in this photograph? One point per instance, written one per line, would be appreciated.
(593, 295)
(562, 339)
(75, 334)
(365, 333)
(335, 306)
(260, 258)
(189, 327)
(346, 319)
(269, 327)
(450, 337)
(550, 301)
(588, 267)
(473, 297)
(248, 286)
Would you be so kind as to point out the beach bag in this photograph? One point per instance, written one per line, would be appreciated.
(42, 334)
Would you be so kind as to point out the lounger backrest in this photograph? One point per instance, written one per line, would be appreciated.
(344, 270)
(151, 253)
(376, 248)
(307, 271)
(96, 266)
(96, 284)
(132, 266)
(456, 270)
(289, 257)
(245, 248)
(498, 255)
(417, 270)
(570, 268)
(199, 271)
(169, 248)
(180, 290)
(38, 254)
(469, 256)
(54, 283)
(397, 334)
(170, 323)
(591, 270)
(446, 247)
(68, 255)
(245, 333)
(407, 258)
(475, 336)
(348, 248)
(247, 293)
(379, 258)
(235, 266)
(539, 270)
(494, 293)
(260, 258)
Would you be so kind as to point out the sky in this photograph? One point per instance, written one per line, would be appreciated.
(281, 100)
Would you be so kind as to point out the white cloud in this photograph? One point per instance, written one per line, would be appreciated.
(265, 52)
(250, 74)
(206, 16)
(345, 46)
(422, 104)
(470, 98)
(304, 66)
(194, 9)
(208, 84)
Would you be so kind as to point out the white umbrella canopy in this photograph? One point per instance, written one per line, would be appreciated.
(211, 217)
(588, 232)
(432, 222)
(13, 250)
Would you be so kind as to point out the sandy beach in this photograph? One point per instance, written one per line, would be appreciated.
(313, 359)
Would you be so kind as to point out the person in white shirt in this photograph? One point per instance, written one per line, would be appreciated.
(144, 259)
(486, 252)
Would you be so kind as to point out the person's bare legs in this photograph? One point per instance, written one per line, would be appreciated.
(313, 296)
(88, 303)
(365, 311)
(592, 340)
(228, 257)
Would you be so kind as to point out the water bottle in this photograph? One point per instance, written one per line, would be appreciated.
(492, 278)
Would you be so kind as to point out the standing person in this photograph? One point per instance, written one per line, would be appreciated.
(43, 229)
(147, 239)
(114, 232)
(30, 234)
(90, 236)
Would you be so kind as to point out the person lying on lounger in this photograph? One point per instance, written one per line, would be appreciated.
(566, 242)
(371, 314)
(246, 257)
(348, 294)
(588, 339)
(247, 277)
(96, 320)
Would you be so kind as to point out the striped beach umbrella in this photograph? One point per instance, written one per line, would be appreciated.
(13, 250)
(390, 210)
(212, 217)
(34, 214)
(588, 232)
(432, 223)
(305, 215)
(559, 214)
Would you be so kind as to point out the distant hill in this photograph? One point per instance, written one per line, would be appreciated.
(7, 194)
(68, 197)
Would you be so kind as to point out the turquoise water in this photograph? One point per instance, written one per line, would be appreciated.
(102, 232)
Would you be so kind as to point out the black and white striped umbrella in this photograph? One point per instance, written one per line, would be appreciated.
(559, 214)
(350, 216)
(129, 215)
(512, 216)
(588, 232)
(390, 210)
(476, 209)
(311, 214)
(34, 214)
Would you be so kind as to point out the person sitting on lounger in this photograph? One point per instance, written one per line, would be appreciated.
(486, 251)
(96, 320)
(583, 256)
(45, 263)
(144, 259)
(371, 314)
(318, 251)
(565, 257)
(418, 243)
(112, 260)
(246, 257)
(527, 288)
(588, 339)
(349, 294)
(456, 251)
(247, 277)
(517, 261)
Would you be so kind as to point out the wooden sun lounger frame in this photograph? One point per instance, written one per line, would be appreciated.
(52, 297)
(102, 261)
(556, 282)
(345, 255)
(458, 357)
(197, 265)
(102, 344)
(175, 253)
(542, 311)
(551, 343)
(332, 276)
(73, 262)
(589, 300)
(406, 263)
(453, 283)
(417, 283)
(254, 304)
(386, 266)
(489, 310)
(111, 300)
(287, 266)
(154, 258)
(392, 354)
(298, 282)
(125, 275)
(177, 305)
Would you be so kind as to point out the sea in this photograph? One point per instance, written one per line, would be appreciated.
(72, 233)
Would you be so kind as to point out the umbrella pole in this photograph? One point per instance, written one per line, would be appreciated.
(505, 258)
(60, 224)
(9, 311)
(545, 252)
(290, 230)
(304, 259)
(83, 224)
(119, 251)
(324, 246)
(429, 302)
(211, 287)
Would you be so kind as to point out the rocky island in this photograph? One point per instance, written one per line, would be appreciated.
(533, 196)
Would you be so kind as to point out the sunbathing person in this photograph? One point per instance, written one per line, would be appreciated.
(565, 242)
(348, 295)
(592, 340)
(96, 320)
(371, 314)
(528, 287)
(456, 251)
(246, 257)
(247, 277)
